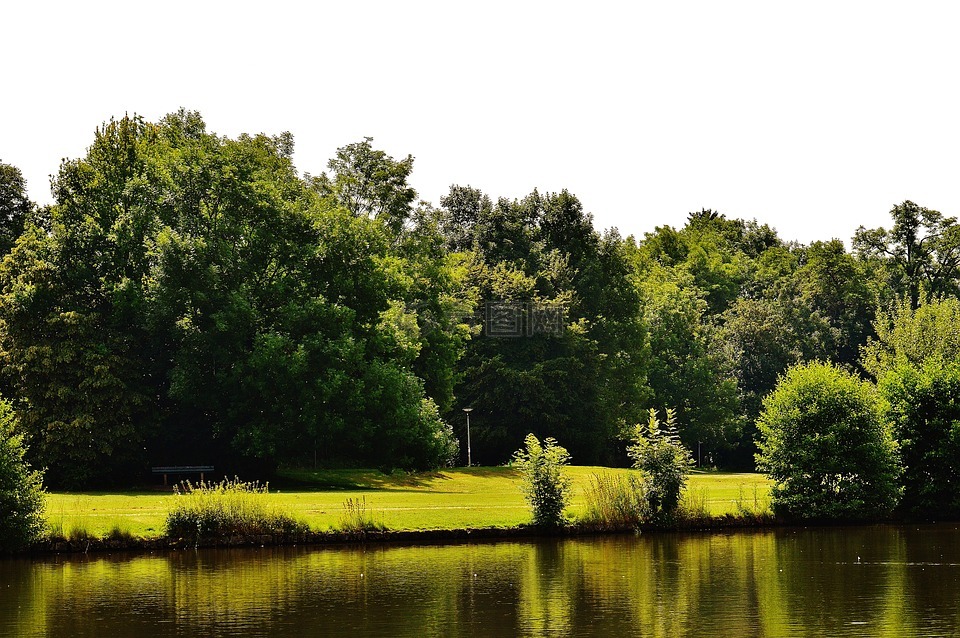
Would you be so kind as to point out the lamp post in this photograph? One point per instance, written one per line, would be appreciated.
(469, 460)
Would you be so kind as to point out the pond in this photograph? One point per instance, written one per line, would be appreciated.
(878, 580)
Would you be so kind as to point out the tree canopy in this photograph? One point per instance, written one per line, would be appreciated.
(190, 298)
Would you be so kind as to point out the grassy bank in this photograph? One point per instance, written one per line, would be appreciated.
(448, 499)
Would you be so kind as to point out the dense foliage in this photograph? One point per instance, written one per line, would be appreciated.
(924, 409)
(580, 383)
(194, 299)
(916, 358)
(21, 489)
(824, 444)
(544, 484)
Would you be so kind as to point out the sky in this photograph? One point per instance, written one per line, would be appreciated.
(813, 117)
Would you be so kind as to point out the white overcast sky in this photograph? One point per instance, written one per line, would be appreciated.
(814, 117)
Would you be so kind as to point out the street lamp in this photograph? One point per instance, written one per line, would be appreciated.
(468, 411)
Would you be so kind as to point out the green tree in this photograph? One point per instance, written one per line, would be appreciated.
(461, 209)
(838, 290)
(581, 382)
(824, 445)
(913, 335)
(367, 181)
(923, 405)
(544, 483)
(664, 461)
(21, 488)
(718, 253)
(760, 339)
(15, 207)
(71, 338)
(194, 300)
(921, 252)
(686, 369)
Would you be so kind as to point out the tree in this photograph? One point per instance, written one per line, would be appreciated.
(686, 369)
(367, 181)
(21, 488)
(15, 207)
(824, 445)
(582, 379)
(923, 405)
(544, 484)
(461, 209)
(71, 336)
(905, 334)
(760, 339)
(194, 300)
(836, 288)
(921, 252)
(663, 459)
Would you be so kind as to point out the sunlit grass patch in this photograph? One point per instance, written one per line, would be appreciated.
(454, 498)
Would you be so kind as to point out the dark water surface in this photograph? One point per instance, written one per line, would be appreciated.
(865, 581)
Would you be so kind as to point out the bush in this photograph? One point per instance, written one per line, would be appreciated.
(660, 455)
(544, 484)
(923, 407)
(21, 489)
(227, 508)
(824, 445)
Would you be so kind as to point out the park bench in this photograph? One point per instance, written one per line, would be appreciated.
(181, 469)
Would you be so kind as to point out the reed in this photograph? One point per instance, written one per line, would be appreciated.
(615, 501)
(355, 519)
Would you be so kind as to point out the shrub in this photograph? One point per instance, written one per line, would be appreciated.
(823, 443)
(615, 501)
(544, 484)
(21, 489)
(923, 407)
(660, 455)
(227, 508)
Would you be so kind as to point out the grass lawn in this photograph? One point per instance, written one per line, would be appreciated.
(447, 499)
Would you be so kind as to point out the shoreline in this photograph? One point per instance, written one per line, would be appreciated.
(378, 537)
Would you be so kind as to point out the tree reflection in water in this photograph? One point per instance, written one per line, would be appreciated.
(837, 581)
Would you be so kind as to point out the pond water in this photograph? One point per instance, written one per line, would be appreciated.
(881, 580)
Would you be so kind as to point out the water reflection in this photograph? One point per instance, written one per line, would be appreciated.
(858, 581)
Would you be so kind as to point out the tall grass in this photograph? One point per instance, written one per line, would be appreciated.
(618, 501)
(756, 510)
(355, 519)
(692, 509)
(615, 501)
(225, 509)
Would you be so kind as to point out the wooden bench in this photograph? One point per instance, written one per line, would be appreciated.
(182, 469)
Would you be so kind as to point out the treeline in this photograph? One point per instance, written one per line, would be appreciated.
(190, 298)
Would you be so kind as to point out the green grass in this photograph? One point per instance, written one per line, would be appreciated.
(447, 499)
